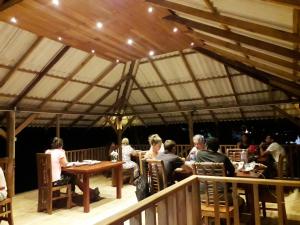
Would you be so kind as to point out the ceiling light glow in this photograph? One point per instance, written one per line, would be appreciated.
(93, 51)
(175, 29)
(13, 20)
(150, 9)
(59, 38)
(151, 53)
(192, 43)
(99, 25)
(117, 61)
(129, 41)
(55, 2)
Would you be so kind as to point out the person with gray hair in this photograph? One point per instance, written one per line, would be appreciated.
(199, 144)
(127, 152)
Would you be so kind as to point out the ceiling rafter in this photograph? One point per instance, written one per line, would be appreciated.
(8, 4)
(291, 3)
(286, 115)
(21, 60)
(200, 91)
(162, 79)
(31, 117)
(296, 30)
(226, 20)
(234, 91)
(149, 100)
(267, 78)
(236, 37)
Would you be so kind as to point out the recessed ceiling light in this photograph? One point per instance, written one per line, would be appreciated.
(55, 2)
(99, 25)
(151, 53)
(192, 43)
(129, 41)
(175, 29)
(150, 9)
(59, 38)
(93, 51)
(13, 20)
(117, 61)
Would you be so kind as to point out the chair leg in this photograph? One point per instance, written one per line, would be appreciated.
(206, 220)
(49, 202)
(263, 204)
(69, 200)
(131, 176)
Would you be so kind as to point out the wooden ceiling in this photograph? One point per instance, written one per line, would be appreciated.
(75, 22)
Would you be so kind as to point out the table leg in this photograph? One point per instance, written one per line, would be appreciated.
(86, 193)
(118, 180)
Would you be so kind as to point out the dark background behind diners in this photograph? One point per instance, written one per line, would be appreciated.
(33, 140)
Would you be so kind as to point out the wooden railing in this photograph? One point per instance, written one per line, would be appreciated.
(180, 203)
(99, 153)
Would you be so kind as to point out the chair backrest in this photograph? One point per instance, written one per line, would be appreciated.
(211, 169)
(281, 167)
(44, 170)
(234, 154)
(157, 174)
(7, 166)
(141, 157)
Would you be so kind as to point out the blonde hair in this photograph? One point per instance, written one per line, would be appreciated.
(125, 141)
(154, 139)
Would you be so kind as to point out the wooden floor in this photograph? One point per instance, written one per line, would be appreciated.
(25, 206)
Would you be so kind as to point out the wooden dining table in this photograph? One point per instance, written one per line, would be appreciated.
(87, 170)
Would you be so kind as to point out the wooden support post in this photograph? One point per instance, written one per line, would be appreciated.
(10, 145)
(58, 125)
(191, 127)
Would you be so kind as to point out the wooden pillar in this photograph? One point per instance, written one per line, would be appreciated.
(191, 128)
(10, 145)
(58, 125)
(119, 136)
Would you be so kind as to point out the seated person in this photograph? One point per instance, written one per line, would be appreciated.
(59, 160)
(199, 145)
(244, 142)
(171, 160)
(3, 187)
(212, 155)
(127, 151)
(271, 153)
(155, 145)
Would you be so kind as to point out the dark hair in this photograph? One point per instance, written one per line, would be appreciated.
(272, 136)
(57, 143)
(212, 143)
(169, 145)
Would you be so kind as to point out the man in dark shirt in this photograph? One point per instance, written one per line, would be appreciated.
(171, 161)
(211, 155)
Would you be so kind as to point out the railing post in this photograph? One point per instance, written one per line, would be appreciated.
(256, 204)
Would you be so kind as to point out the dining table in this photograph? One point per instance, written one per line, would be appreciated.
(89, 169)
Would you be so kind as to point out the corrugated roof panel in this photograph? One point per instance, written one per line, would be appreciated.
(256, 108)
(174, 119)
(259, 114)
(173, 70)
(166, 106)
(245, 83)
(79, 107)
(67, 64)
(158, 94)
(193, 3)
(258, 97)
(100, 122)
(83, 123)
(42, 55)
(204, 67)
(222, 101)
(14, 42)
(228, 116)
(192, 104)
(136, 97)
(110, 99)
(230, 110)
(5, 101)
(154, 121)
(99, 109)
(185, 91)
(17, 83)
(144, 108)
(44, 88)
(114, 76)
(92, 69)
(93, 95)
(55, 105)
(29, 103)
(69, 91)
(146, 75)
(3, 73)
(216, 87)
(279, 95)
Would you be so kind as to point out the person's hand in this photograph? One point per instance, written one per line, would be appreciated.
(261, 144)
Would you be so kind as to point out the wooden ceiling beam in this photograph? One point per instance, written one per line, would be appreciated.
(296, 30)
(21, 60)
(226, 20)
(162, 79)
(233, 90)
(236, 37)
(8, 4)
(290, 3)
(267, 78)
(286, 115)
(31, 117)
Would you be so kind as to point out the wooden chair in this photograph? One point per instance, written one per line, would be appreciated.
(157, 174)
(234, 154)
(208, 202)
(268, 194)
(48, 193)
(6, 205)
(141, 157)
(223, 148)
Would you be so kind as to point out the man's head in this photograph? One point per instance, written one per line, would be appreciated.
(244, 138)
(198, 141)
(212, 143)
(269, 139)
(170, 146)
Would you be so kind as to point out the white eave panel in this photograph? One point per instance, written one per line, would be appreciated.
(216, 87)
(110, 99)
(70, 91)
(245, 83)
(92, 69)
(45, 87)
(146, 75)
(252, 98)
(136, 97)
(93, 95)
(14, 43)
(42, 55)
(17, 83)
(185, 91)
(79, 108)
(158, 94)
(29, 103)
(113, 76)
